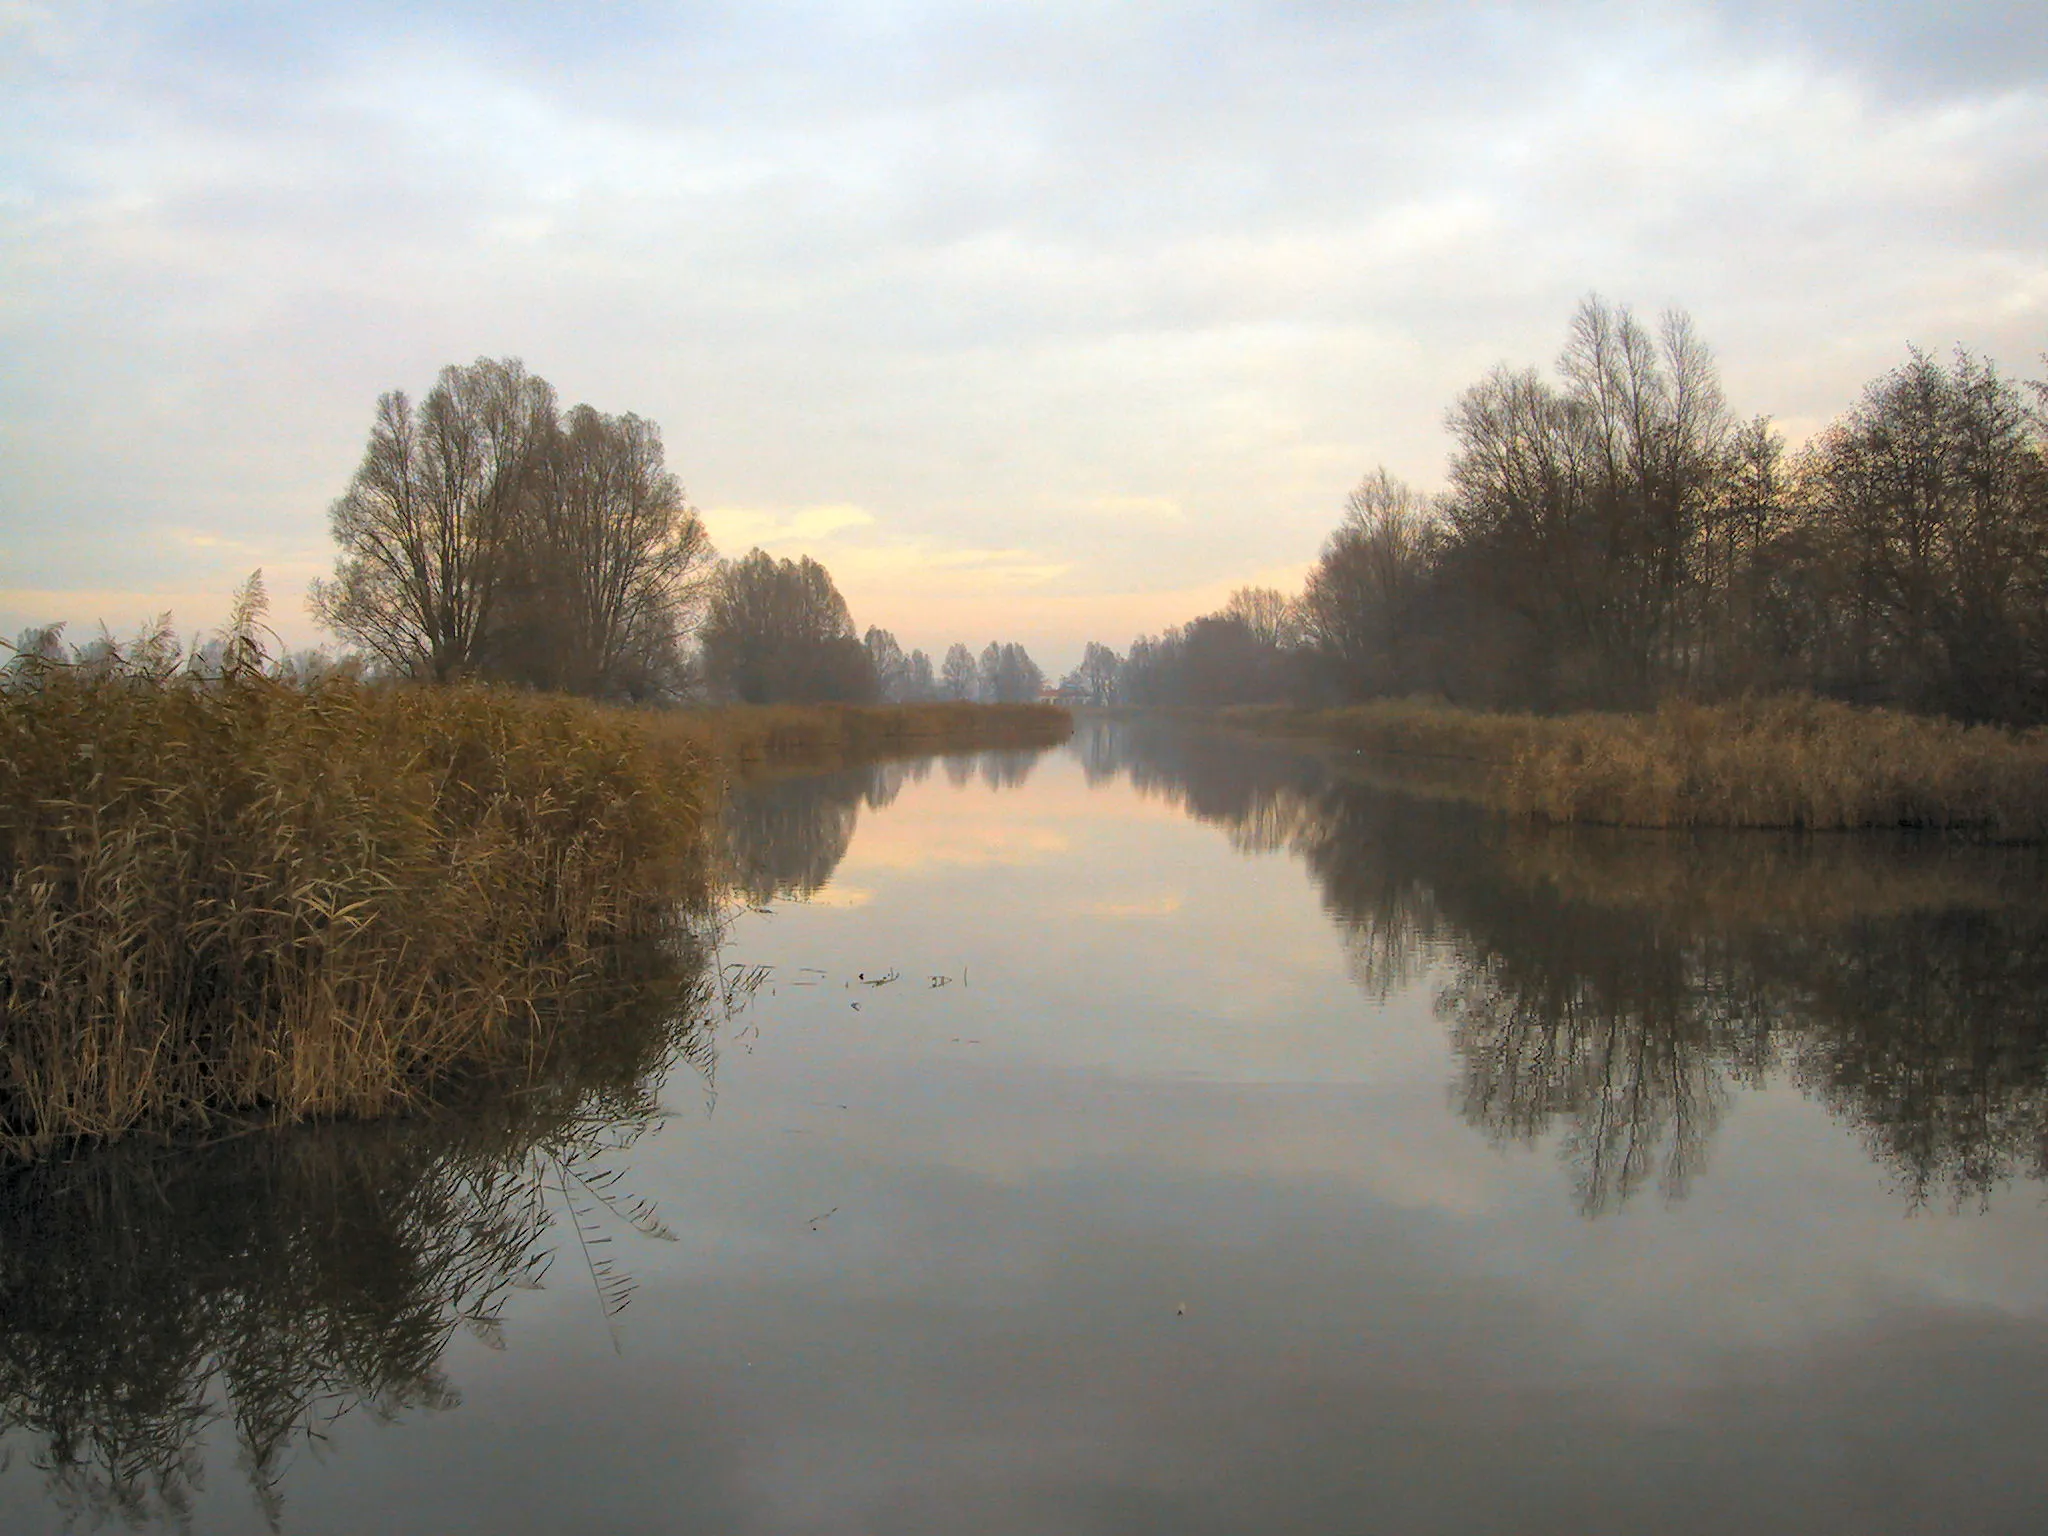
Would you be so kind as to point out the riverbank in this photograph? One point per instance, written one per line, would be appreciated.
(746, 739)
(1781, 762)
(240, 902)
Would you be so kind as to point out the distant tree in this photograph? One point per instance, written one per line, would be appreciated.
(778, 631)
(1271, 616)
(1023, 680)
(892, 668)
(1100, 673)
(1612, 535)
(959, 678)
(1362, 602)
(920, 685)
(1008, 675)
(1224, 661)
(426, 522)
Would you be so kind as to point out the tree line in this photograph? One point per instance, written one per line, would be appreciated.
(490, 534)
(779, 631)
(1614, 535)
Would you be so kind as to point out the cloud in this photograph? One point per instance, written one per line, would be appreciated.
(1083, 300)
(736, 529)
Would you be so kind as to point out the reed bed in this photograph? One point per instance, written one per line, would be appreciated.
(230, 900)
(237, 898)
(1404, 728)
(1784, 761)
(745, 737)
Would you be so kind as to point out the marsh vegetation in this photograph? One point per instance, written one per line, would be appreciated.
(234, 897)
(1789, 761)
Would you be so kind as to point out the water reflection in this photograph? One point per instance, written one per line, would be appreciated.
(1614, 989)
(785, 836)
(267, 1285)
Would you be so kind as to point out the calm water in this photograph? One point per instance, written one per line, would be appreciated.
(1155, 1135)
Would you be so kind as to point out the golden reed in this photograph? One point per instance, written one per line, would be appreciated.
(1786, 761)
(242, 896)
(235, 900)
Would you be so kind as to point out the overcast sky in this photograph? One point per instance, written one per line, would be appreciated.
(1046, 322)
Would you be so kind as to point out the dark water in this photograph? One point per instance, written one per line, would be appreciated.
(1157, 1135)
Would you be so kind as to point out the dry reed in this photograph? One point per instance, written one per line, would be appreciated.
(1784, 761)
(743, 737)
(239, 897)
(230, 897)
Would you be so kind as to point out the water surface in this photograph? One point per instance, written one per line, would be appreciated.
(1159, 1134)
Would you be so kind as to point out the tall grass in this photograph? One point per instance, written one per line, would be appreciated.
(240, 897)
(226, 897)
(1785, 761)
(745, 737)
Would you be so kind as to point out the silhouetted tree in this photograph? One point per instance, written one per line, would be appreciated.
(1008, 675)
(778, 631)
(1363, 602)
(610, 564)
(892, 668)
(1931, 499)
(485, 535)
(428, 519)
(960, 678)
(1100, 673)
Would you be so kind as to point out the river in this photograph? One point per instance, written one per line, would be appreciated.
(1164, 1133)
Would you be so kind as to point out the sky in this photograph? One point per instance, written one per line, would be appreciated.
(1046, 322)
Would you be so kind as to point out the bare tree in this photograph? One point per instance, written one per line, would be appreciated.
(1362, 599)
(426, 522)
(959, 678)
(613, 562)
(778, 630)
(1580, 510)
(1269, 614)
(892, 667)
(1932, 495)
(1099, 674)
(1008, 675)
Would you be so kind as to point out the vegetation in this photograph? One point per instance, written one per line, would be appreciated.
(1767, 640)
(778, 631)
(232, 897)
(1787, 761)
(284, 1279)
(488, 536)
(1618, 537)
(743, 739)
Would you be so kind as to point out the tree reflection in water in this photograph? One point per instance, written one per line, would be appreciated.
(1612, 988)
(786, 836)
(278, 1281)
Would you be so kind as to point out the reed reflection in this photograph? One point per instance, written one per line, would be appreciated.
(1613, 989)
(264, 1287)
